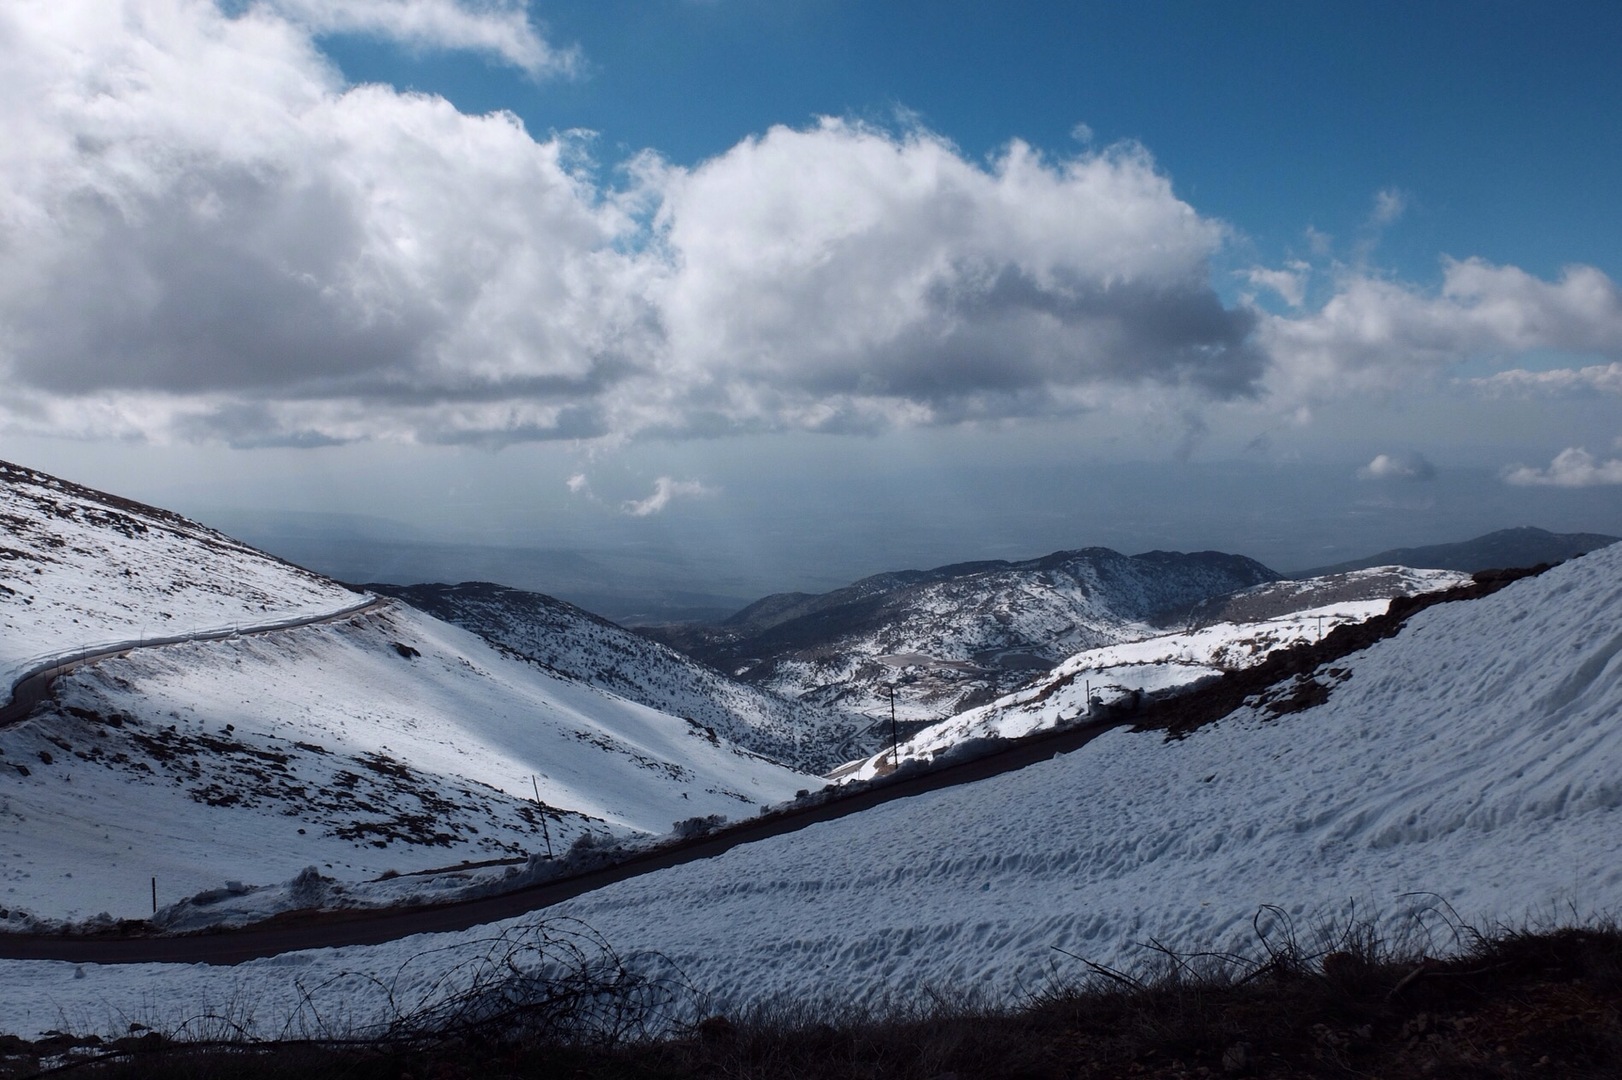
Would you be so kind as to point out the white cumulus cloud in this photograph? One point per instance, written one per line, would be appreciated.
(1594, 380)
(1380, 335)
(208, 235)
(500, 28)
(850, 273)
(1389, 205)
(664, 490)
(1289, 283)
(1573, 467)
(1398, 467)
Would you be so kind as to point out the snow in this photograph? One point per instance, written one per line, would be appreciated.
(572, 642)
(965, 633)
(81, 571)
(368, 742)
(388, 741)
(1472, 759)
(1165, 662)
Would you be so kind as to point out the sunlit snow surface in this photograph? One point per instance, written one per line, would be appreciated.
(1477, 757)
(383, 740)
(80, 569)
(572, 642)
(1162, 663)
(329, 745)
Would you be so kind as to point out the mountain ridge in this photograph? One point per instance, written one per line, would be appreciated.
(1524, 545)
(951, 636)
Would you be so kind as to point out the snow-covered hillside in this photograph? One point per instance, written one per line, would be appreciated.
(1472, 760)
(960, 635)
(81, 569)
(580, 645)
(379, 740)
(1275, 616)
(390, 741)
(1261, 603)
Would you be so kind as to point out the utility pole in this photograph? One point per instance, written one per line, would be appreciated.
(895, 742)
(546, 834)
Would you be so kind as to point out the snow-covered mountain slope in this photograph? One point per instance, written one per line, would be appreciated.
(582, 646)
(1261, 603)
(1472, 760)
(81, 569)
(1097, 682)
(959, 635)
(379, 740)
(389, 741)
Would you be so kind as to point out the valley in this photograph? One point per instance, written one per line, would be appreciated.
(423, 745)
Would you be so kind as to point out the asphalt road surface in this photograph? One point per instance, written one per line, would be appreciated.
(334, 929)
(35, 686)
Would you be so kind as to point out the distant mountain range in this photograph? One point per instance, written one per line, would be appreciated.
(956, 635)
(212, 740)
(1525, 546)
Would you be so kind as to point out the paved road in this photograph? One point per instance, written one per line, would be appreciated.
(1181, 712)
(374, 927)
(35, 685)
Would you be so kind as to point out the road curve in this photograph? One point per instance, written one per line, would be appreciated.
(1171, 716)
(35, 684)
(334, 929)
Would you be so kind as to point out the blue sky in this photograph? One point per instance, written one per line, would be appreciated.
(759, 296)
(1495, 120)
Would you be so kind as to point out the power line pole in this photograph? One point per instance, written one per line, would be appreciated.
(546, 834)
(895, 742)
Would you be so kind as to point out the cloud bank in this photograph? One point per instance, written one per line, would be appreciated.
(205, 234)
(1598, 380)
(1573, 467)
(1380, 336)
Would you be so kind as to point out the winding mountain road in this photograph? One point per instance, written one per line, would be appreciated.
(371, 927)
(1172, 716)
(35, 684)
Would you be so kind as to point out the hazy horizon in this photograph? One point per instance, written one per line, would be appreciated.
(621, 576)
